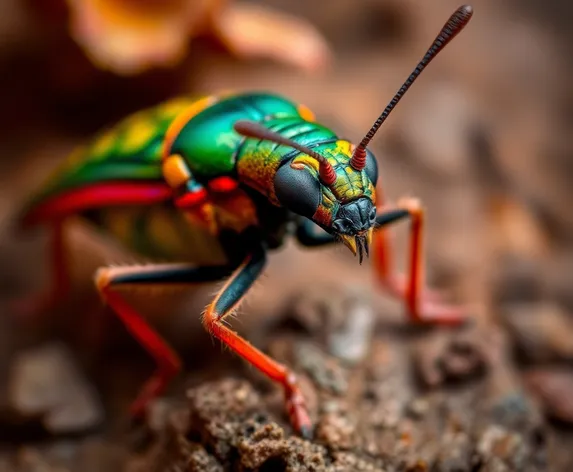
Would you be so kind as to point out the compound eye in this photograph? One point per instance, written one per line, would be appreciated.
(371, 168)
(342, 225)
(298, 190)
(372, 215)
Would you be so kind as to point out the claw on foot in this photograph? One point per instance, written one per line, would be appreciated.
(296, 408)
(435, 314)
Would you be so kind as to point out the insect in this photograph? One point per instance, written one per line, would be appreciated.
(217, 183)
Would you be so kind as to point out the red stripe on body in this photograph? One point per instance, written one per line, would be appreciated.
(98, 196)
(223, 184)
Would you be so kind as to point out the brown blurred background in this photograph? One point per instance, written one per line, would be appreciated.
(482, 139)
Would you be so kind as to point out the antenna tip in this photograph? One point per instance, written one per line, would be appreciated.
(465, 11)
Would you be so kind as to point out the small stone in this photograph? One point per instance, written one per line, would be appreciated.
(554, 389)
(337, 431)
(325, 372)
(342, 318)
(418, 408)
(350, 342)
(543, 332)
(442, 357)
(158, 413)
(241, 394)
(502, 448)
(45, 381)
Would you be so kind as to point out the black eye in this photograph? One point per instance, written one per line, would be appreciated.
(297, 190)
(371, 168)
(342, 225)
(372, 215)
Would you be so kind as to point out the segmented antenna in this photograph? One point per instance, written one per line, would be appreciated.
(251, 129)
(454, 25)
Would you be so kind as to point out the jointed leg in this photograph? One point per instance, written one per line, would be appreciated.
(168, 363)
(60, 280)
(228, 299)
(306, 235)
(422, 306)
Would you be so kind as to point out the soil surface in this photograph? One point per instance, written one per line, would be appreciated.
(482, 139)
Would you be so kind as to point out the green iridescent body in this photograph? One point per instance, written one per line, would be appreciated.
(201, 132)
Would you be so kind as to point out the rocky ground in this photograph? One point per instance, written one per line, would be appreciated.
(482, 139)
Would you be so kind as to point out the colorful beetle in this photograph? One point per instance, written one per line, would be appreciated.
(219, 181)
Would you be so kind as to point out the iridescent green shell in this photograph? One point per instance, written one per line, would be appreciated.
(210, 145)
(129, 151)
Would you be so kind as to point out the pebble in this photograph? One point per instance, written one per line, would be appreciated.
(45, 382)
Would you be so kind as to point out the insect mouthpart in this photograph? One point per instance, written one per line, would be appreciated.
(359, 244)
(363, 247)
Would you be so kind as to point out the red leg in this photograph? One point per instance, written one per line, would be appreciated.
(168, 363)
(54, 210)
(423, 306)
(32, 307)
(224, 304)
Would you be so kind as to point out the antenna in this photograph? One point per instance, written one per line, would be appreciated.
(251, 129)
(454, 25)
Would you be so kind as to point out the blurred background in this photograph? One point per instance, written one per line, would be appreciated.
(482, 139)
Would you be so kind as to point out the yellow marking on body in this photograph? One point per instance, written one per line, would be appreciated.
(138, 132)
(175, 171)
(102, 145)
(257, 168)
(341, 147)
(306, 160)
(173, 107)
(305, 113)
(182, 119)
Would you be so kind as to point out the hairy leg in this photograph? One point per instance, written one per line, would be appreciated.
(109, 279)
(223, 305)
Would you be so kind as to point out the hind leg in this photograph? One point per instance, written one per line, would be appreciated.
(109, 279)
(33, 306)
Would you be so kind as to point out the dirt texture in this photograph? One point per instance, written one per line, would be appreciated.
(482, 139)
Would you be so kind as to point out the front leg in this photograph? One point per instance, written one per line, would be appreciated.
(306, 235)
(423, 306)
(109, 279)
(214, 320)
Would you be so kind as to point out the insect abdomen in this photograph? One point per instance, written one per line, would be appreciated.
(159, 232)
(129, 151)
